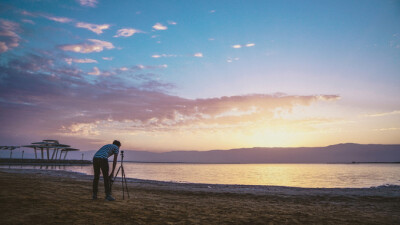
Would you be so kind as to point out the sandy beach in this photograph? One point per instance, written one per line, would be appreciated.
(59, 197)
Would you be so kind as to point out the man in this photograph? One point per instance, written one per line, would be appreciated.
(100, 161)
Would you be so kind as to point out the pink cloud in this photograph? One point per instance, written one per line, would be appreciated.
(38, 93)
(159, 26)
(9, 38)
(71, 60)
(88, 3)
(95, 71)
(98, 29)
(126, 32)
(107, 58)
(27, 21)
(95, 46)
(58, 19)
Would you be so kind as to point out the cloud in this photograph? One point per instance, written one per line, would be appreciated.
(9, 39)
(107, 58)
(212, 11)
(88, 3)
(395, 112)
(71, 60)
(95, 46)
(38, 92)
(388, 129)
(246, 45)
(159, 26)
(27, 21)
(58, 19)
(95, 71)
(229, 60)
(98, 29)
(172, 23)
(126, 32)
(163, 55)
(198, 55)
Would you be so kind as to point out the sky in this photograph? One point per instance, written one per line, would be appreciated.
(199, 75)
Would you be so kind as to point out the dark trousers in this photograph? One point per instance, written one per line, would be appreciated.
(99, 163)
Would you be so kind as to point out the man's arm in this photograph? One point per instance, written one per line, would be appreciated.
(114, 164)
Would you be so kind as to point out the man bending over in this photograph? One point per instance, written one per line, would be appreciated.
(100, 161)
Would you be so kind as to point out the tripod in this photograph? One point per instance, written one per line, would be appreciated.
(123, 177)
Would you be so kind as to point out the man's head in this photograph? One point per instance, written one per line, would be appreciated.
(117, 143)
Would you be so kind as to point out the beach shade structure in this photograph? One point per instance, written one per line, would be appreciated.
(48, 145)
(11, 148)
(66, 150)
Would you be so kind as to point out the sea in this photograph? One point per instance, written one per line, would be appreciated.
(356, 175)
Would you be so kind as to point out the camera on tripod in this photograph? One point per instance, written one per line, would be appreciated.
(123, 177)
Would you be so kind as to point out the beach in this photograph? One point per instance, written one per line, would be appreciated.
(58, 197)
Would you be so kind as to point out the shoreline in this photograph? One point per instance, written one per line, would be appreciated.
(382, 191)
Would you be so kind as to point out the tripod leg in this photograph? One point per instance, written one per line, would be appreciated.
(126, 185)
(111, 182)
(122, 182)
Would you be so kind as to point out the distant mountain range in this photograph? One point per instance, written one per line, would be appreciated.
(340, 153)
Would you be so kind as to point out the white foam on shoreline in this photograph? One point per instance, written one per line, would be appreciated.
(381, 191)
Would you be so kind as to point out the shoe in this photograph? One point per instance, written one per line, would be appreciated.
(94, 197)
(110, 198)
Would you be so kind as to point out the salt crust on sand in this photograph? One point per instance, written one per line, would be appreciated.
(382, 191)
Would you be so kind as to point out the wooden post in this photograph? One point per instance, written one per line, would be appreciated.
(60, 154)
(10, 154)
(54, 152)
(23, 154)
(35, 152)
(41, 149)
(48, 155)
(65, 154)
(82, 156)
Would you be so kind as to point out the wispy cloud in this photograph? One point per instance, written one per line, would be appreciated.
(212, 11)
(172, 22)
(94, 46)
(9, 38)
(88, 3)
(27, 21)
(58, 19)
(163, 55)
(98, 29)
(71, 60)
(395, 112)
(229, 60)
(198, 55)
(107, 58)
(387, 129)
(246, 45)
(95, 71)
(159, 26)
(126, 32)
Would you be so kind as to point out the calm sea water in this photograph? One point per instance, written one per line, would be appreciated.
(293, 175)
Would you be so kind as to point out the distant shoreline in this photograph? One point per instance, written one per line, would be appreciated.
(4, 161)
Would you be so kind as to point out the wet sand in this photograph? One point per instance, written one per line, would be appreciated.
(59, 197)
